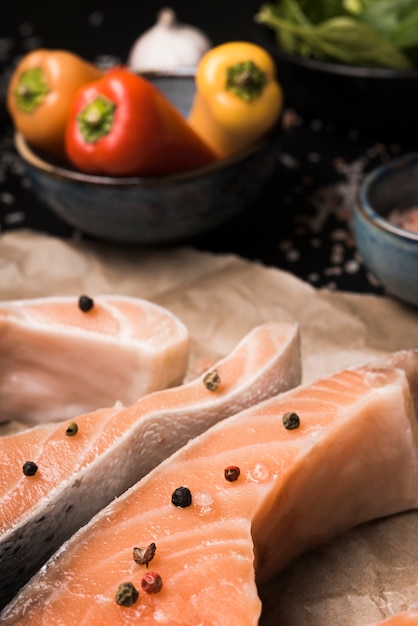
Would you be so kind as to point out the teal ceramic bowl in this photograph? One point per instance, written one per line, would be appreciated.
(388, 250)
(159, 209)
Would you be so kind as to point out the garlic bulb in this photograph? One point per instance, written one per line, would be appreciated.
(168, 44)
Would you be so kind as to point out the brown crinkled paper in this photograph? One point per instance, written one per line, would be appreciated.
(370, 572)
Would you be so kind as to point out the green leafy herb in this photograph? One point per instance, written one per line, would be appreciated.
(345, 31)
(321, 10)
(397, 21)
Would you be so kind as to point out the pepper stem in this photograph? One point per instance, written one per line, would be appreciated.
(246, 80)
(31, 89)
(96, 119)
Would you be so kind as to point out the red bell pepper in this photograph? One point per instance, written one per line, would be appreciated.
(123, 125)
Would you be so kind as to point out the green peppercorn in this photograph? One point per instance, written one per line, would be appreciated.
(126, 594)
(212, 380)
(71, 429)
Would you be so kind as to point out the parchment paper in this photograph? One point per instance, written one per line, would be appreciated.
(368, 573)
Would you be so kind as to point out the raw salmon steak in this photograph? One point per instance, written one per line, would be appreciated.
(84, 464)
(237, 504)
(62, 356)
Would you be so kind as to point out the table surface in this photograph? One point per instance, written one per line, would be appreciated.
(301, 222)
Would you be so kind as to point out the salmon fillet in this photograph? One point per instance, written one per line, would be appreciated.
(57, 360)
(353, 458)
(113, 448)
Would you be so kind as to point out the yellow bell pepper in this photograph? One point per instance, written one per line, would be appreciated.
(237, 99)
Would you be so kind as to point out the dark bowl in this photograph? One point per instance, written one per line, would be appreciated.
(159, 209)
(388, 250)
(356, 97)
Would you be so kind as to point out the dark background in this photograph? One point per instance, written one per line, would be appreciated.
(70, 25)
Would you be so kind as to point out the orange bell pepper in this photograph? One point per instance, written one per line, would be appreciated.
(40, 92)
(238, 98)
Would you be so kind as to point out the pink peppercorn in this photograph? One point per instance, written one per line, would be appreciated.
(151, 582)
(232, 473)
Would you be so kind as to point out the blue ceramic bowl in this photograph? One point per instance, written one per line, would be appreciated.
(159, 209)
(389, 251)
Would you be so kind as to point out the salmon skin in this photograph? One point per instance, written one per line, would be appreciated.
(113, 448)
(306, 465)
(62, 356)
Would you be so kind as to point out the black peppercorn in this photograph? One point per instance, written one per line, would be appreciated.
(30, 468)
(85, 303)
(181, 497)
